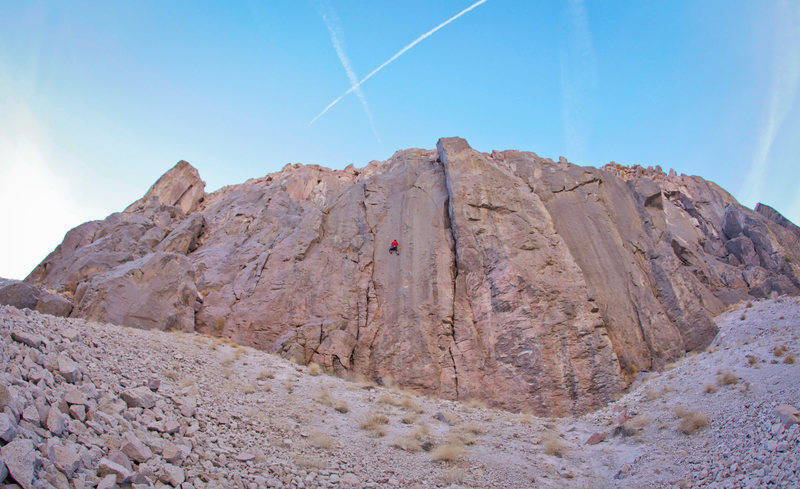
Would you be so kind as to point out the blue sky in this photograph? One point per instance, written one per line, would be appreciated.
(98, 99)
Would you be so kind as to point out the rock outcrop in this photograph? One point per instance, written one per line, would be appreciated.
(527, 283)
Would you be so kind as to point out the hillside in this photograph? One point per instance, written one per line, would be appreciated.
(98, 404)
(520, 282)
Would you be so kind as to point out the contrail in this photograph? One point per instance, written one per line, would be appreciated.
(397, 55)
(785, 85)
(334, 28)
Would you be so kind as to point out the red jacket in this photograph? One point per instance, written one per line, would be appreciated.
(394, 243)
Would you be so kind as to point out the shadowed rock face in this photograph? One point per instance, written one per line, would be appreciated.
(524, 282)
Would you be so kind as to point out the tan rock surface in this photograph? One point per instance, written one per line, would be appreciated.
(529, 284)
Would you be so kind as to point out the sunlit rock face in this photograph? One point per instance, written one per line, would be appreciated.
(523, 282)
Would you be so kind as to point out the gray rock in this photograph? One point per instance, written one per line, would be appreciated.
(32, 340)
(21, 461)
(108, 482)
(18, 294)
(75, 396)
(8, 429)
(139, 397)
(3, 470)
(171, 474)
(68, 369)
(109, 467)
(66, 459)
(134, 448)
(53, 304)
(153, 383)
(56, 422)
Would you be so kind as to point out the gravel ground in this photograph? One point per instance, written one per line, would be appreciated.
(223, 415)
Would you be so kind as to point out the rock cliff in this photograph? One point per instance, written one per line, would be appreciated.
(527, 283)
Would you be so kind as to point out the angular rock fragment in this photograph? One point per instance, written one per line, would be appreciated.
(32, 340)
(139, 397)
(134, 448)
(20, 459)
(108, 467)
(68, 369)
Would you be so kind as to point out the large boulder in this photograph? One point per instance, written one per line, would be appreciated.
(156, 291)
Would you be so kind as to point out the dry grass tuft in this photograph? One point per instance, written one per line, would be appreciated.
(710, 389)
(638, 422)
(447, 452)
(320, 439)
(788, 359)
(454, 475)
(651, 394)
(309, 462)
(407, 443)
(553, 445)
(476, 404)
(749, 304)
(248, 388)
(691, 421)
(779, 351)
(188, 381)
(171, 374)
(328, 400)
(375, 424)
(265, 374)
(726, 378)
(752, 360)
(314, 369)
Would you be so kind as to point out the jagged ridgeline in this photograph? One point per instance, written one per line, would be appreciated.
(523, 282)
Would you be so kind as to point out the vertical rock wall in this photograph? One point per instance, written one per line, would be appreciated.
(520, 281)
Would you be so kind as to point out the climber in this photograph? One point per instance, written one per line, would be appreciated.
(393, 248)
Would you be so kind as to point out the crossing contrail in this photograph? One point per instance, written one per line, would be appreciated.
(396, 55)
(335, 30)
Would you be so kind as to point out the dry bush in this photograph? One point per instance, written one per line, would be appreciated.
(408, 419)
(749, 304)
(171, 374)
(320, 439)
(454, 475)
(691, 421)
(638, 422)
(309, 462)
(476, 404)
(710, 389)
(375, 424)
(407, 443)
(328, 400)
(752, 360)
(289, 385)
(240, 350)
(779, 351)
(473, 428)
(265, 374)
(788, 359)
(742, 317)
(651, 394)
(227, 372)
(726, 378)
(553, 445)
(248, 388)
(314, 369)
(447, 452)
(411, 405)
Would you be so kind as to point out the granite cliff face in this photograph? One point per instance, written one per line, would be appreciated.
(527, 283)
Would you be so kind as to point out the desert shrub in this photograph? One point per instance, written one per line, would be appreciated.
(779, 351)
(788, 359)
(314, 369)
(320, 439)
(553, 445)
(447, 452)
(407, 443)
(454, 475)
(328, 400)
(726, 378)
(375, 424)
(691, 421)
(309, 462)
(171, 374)
(248, 388)
(476, 404)
(710, 389)
(265, 374)
(749, 304)
(751, 360)
(638, 422)
(651, 394)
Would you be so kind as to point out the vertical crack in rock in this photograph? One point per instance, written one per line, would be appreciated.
(454, 250)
